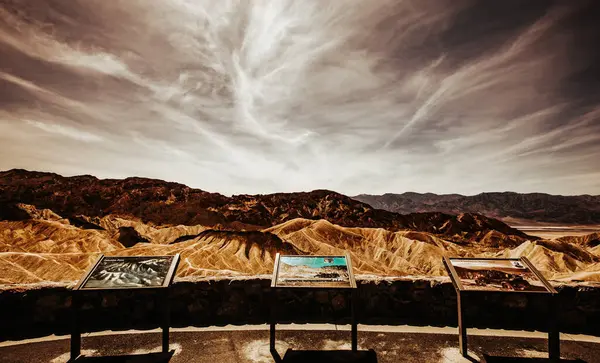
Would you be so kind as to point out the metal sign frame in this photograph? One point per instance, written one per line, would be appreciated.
(162, 290)
(462, 293)
(351, 279)
(456, 280)
(275, 288)
(88, 273)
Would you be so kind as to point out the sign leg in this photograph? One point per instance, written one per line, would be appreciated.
(553, 331)
(273, 320)
(354, 322)
(462, 328)
(166, 321)
(75, 327)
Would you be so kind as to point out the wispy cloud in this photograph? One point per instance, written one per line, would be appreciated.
(262, 96)
(65, 131)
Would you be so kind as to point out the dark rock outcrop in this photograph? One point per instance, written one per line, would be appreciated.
(84, 222)
(129, 237)
(12, 212)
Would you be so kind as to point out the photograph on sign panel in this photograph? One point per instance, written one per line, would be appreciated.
(129, 272)
(496, 275)
(313, 271)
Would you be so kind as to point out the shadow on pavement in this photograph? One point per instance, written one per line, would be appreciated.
(496, 359)
(473, 359)
(137, 358)
(326, 356)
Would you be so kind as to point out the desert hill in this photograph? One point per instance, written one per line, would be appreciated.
(508, 206)
(48, 248)
(153, 200)
(159, 202)
(590, 240)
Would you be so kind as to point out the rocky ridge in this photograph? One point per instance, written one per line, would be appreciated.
(158, 202)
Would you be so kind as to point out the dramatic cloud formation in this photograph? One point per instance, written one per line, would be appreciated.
(265, 96)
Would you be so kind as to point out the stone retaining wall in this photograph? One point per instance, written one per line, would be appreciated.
(29, 313)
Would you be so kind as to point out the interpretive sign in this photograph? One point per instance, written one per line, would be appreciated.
(129, 272)
(500, 274)
(125, 273)
(313, 271)
(505, 275)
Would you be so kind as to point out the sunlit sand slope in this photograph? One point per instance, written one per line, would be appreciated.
(48, 248)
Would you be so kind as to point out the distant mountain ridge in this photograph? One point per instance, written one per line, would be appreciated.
(506, 206)
(160, 202)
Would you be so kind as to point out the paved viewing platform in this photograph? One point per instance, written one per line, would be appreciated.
(304, 343)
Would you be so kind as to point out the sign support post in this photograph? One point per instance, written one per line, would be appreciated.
(75, 327)
(354, 322)
(313, 272)
(166, 321)
(500, 275)
(553, 330)
(462, 328)
(135, 273)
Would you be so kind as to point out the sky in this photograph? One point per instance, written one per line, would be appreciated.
(256, 97)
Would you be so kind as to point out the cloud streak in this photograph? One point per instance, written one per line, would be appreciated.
(264, 96)
(65, 131)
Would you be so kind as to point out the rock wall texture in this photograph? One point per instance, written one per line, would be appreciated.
(28, 313)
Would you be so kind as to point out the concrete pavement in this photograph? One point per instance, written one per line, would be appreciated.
(304, 343)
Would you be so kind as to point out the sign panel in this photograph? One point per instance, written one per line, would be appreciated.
(498, 274)
(313, 271)
(124, 272)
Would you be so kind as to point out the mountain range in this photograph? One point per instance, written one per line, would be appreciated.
(160, 202)
(52, 228)
(513, 208)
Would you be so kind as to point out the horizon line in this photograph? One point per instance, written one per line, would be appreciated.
(292, 192)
